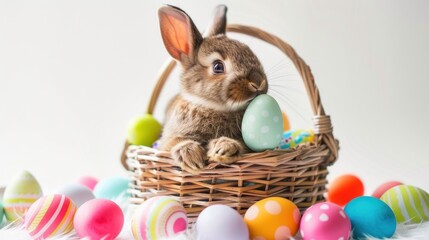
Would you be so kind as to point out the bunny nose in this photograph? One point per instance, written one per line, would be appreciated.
(255, 88)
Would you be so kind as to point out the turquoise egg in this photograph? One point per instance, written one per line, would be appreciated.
(371, 217)
(262, 124)
(112, 188)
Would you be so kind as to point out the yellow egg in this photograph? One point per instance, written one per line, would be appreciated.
(273, 218)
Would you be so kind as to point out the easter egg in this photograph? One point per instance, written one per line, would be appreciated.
(99, 219)
(112, 188)
(370, 217)
(262, 124)
(345, 188)
(88, 181)
(272, 218)
(50, 216)
(325, 221)
(78, 193)
(286, 124)
(221, 222)
(380, 190)
(293, 138)
(158, 217)
(143, 130)
(410, 204)
(23, 191)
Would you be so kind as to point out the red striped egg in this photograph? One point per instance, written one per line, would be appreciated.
(49, 216)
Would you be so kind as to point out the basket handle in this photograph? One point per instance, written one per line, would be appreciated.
(322, 122)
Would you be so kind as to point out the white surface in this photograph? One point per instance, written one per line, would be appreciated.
(72, 73)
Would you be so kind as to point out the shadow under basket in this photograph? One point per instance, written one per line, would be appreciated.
(297, 174)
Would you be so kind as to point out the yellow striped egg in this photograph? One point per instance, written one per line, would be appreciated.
(409, 203)
(158, 217)
(23, 191)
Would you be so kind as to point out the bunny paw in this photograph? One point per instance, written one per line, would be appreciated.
(224, 150)
(190, 155)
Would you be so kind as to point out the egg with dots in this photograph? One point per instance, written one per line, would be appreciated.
(262, 124)
(19, 195)
(345, 188)
(294, 138)
(409, 203)
(158, 217)
(50, 216)
(220, 222)
(380, 190)
(272, 218)
(325, 221)
(99, 219)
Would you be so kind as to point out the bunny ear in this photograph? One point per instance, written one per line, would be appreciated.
(179, 33)
(218, 24)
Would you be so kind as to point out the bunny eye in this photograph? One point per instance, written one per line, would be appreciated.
(218, 67)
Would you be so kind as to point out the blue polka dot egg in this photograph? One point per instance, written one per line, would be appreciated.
(262, 124)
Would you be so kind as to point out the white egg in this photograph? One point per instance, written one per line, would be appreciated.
(78, 193)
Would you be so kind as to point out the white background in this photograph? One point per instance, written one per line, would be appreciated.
(73, 73)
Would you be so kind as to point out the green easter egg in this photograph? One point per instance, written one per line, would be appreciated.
(19, 195)
(262, 124)
(143, 130)
(409, 203)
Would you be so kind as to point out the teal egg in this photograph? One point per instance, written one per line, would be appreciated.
(262, 124)
(370, 217)
(112, 188)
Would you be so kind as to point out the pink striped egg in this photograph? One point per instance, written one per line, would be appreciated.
(157, 218)
(49, 216)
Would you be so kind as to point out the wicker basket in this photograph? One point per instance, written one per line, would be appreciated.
(296, 174)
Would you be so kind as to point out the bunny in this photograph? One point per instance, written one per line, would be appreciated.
(220, 76)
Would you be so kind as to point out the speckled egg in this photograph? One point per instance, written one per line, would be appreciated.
(409, 203)
(157, 218)
(272, 218)
(19, 195)
(370, 217)
(294, 138)
(50, 216)
(325, 221)
(262, 124)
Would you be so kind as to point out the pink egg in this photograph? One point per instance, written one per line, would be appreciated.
(87, 181)
(384, 187)
(325, 221)
(99, 219)
(49, 216)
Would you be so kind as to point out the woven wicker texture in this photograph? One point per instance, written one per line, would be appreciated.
(297, 174)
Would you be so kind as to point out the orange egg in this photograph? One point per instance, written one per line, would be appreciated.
(272, 218)
(286, 124)
(345, 188)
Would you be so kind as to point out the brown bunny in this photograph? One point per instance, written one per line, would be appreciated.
(220, 77)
